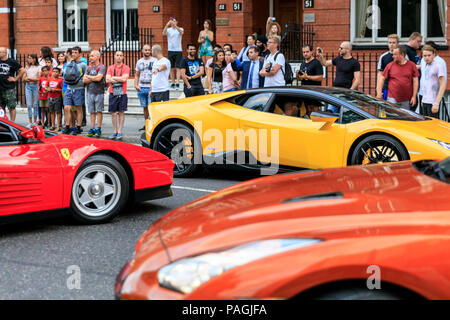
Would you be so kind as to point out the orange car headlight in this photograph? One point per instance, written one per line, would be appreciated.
(187, 274)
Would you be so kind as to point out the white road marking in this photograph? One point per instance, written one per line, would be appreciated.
(194, 189)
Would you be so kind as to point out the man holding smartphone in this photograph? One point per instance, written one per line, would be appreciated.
(311, 71)
(174, 35)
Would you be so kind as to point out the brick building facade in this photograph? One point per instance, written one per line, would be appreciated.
(53, 22)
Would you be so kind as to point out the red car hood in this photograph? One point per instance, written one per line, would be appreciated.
(84, 145)
(301, 204)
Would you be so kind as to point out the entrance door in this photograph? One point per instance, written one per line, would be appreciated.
(288, 11)
(202, 10)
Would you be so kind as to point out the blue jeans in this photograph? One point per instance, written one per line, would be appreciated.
(144, 97)
(32, 99)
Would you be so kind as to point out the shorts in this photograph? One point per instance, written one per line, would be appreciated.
(175, 58)
(74, 97)
(55, 104)
(118, 103)
(144, 97)
(95, 102)
(160, 96)
(8, 98)
(193, 91)
(43, 103)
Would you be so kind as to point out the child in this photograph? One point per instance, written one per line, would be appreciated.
(55, 103)
(43, 93)
(49, 64)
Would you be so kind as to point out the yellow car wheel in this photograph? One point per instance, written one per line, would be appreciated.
(179, 143)
(378, 148)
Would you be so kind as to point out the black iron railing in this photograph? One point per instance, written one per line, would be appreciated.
(130, 48)
(294, 37)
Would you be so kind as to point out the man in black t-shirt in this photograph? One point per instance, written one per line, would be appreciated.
(414, 43)
(8, 68)
(385, 59)
(311, 71)
(192, 69)
(348, 74)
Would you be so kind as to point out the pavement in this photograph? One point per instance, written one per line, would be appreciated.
(131, 133)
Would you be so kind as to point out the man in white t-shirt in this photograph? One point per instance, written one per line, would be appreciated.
(160, 77)
(423, 64)
(143, 79)
(274, 64)
(434, 82)
(174, 35)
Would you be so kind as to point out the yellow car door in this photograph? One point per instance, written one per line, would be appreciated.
(301, 142)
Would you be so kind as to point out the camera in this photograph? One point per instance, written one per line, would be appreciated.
(269, 67)
(273, 19)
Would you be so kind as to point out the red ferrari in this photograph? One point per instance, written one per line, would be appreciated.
(45, 172)
(369, 232)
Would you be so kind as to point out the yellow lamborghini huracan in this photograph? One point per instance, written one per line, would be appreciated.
(288, 128)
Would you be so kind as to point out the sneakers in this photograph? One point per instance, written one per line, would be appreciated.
(66, 130)
(177, 86)
(76, 131)
(113, 136)
(172, 87)
(98, 132)
(119, 136)
(91, 132)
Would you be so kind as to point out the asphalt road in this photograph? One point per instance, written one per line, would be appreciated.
(38, 259)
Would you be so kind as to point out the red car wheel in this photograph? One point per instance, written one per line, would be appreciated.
(100, 190)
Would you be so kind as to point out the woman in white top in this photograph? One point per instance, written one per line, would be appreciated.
(31, 79)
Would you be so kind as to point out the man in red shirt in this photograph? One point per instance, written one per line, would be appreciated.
(55, 102)
(403, 80)
(117, 76)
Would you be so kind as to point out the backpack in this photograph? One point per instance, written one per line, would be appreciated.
(73, 73)
(288, 74)
(97, 70)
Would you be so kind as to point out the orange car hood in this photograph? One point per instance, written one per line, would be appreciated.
(304, 204)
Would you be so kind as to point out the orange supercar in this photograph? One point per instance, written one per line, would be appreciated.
(377, 231)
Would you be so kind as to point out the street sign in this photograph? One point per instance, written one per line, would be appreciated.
(222, 22)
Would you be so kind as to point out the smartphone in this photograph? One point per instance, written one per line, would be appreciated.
(319, 50)
(273, 19)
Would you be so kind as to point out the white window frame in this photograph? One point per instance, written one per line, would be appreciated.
(62, 44)
(382, 40)
(108, 22)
